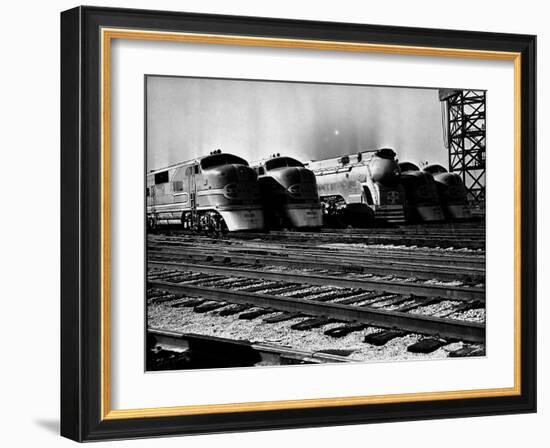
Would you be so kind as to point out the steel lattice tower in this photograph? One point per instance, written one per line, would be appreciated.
(464, 134)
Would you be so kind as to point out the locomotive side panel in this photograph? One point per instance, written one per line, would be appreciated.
(218, 196)
(169, 195)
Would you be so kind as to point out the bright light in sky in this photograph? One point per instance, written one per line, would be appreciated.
(336, 132)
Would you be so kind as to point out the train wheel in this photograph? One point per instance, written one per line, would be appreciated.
(186, 221)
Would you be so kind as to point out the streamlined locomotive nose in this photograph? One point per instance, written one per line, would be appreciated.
(225, 174)
(299, 182)
(384, 171)
(294, 175)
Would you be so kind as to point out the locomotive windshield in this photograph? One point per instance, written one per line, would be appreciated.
(281, 162)
(385, 153)
(221, 159)
(408, 166)
(435, 169)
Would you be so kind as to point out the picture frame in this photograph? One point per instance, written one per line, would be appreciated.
(86, 209)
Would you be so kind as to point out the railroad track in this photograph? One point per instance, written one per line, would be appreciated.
(201, 351)
(416, 253)
(325, 281)
(398, 263)
(330, 261)
(291, 294)
(461, 293)
(425, 238)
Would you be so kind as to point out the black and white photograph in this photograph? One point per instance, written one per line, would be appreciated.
(280, 223)
(293, 223)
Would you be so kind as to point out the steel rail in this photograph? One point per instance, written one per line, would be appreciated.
(389, 238)
(338, 263)
(330, 253)
(397, 232)
(373, 235)
(396, 255)
(396, 287)
(459, 243)
(444, 328)
(268, 352)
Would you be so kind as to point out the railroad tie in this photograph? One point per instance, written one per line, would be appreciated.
(344, 330)
(467, 351)
(282, 317)
(382, 337)
(426, 345)
(333, 295)
(188, 303)
(209, 306)
(254, 313)
(420, 301)
(235, 309)
(310, 324)
(259, 287)
(361, 297)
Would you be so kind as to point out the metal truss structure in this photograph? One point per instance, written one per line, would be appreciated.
(464, 134)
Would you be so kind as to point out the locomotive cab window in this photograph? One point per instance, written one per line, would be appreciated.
(161, 178)
(435, 169)
(221, 159)
(281, 162)
(408, 166)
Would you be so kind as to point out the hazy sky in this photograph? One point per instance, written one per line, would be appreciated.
(189, 117)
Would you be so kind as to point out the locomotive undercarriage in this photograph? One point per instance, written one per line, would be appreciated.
(337, 213)
(195, 220)
(203, 220)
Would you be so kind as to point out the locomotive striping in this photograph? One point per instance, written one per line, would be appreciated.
(445, 328)
(448, 292)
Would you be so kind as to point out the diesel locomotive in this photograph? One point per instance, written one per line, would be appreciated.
(215, 192)
(422, 203)
(452, 192)
(361, 186)
(289, 193)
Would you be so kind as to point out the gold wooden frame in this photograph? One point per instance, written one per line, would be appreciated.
(107, 35)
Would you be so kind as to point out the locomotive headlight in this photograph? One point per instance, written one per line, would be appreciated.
(231, 191)
(295, 190)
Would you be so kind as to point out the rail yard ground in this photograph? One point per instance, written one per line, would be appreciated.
(335, 295)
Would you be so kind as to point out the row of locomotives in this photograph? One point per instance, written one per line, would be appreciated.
(452, 193)
(360, 189)
(289, 194)
(422, 203)
(217, 192)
